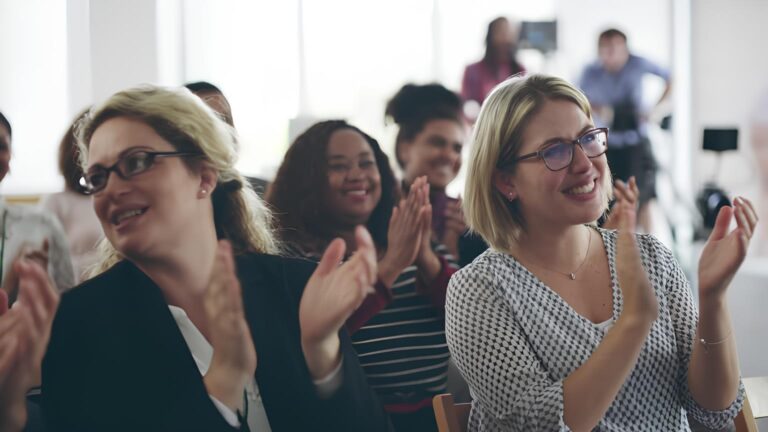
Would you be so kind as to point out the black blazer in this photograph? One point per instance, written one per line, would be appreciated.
(118, 362)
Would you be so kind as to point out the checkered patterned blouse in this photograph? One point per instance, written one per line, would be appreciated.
(515, 341)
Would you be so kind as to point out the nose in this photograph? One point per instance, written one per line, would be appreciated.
(355, 173)
(115, 186)
(580, 162)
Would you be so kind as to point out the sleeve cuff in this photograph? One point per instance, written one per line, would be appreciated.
(328, 385)
(229, 415)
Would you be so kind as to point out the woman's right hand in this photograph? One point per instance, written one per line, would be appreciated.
(234, 356)
(404, 234)
(640, 303)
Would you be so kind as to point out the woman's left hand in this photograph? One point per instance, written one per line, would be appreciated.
(724, 251)
(332, 294)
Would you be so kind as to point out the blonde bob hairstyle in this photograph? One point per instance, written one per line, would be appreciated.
(188, 124)
(497, 141)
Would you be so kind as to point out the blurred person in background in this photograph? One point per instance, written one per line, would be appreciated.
(498, 63)
(214, 98)
(614, 87)
(73, 206)
(430, 139)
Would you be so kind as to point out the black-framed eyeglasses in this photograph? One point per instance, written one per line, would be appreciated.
(129, 165)
(559, 155)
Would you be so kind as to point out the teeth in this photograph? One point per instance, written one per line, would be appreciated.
(582, 189)
(357, 192)
(125, 215)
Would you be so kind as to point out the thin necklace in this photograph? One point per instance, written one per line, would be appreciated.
(572, 275)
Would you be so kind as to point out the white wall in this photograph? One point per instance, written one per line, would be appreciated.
(33, 89)
(730, 70)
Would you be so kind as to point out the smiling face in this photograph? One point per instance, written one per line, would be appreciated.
(434, 152)
(147, 215)
(354, 182)
(574, 195)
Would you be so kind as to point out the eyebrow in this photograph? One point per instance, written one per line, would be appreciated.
(342, 157)
(555, 139)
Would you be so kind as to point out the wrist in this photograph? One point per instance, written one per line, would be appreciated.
(13, 418)
(322, 356)
(388, 271)
(225, 388)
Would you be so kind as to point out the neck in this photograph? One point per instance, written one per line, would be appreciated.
(563, 250)
(183, 275)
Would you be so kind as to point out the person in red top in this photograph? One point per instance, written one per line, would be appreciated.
(498, 63)
(333, 177)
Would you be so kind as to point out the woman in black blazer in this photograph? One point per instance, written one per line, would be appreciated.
(188, 302)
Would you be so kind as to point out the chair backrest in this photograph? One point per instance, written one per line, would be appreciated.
(745, 419)
(450, 416)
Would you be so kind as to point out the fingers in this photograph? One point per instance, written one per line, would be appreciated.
(332, 256)
(741, 220)
(722, 222)
(749, 214)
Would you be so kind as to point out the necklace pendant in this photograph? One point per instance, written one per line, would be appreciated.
(572, 276)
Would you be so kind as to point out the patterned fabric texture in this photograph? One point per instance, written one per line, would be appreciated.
(515, 341)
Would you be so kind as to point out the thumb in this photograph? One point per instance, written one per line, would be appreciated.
(331, 257)
(721, 223)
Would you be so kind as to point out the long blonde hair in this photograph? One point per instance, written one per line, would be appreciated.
(188, 124)
(497, 141)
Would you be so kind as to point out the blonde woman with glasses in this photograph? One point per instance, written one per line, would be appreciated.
(565, 326)
(190, 324)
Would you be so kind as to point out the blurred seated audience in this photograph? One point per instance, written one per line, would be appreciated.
(429, 143)
(24, 228)
(215, 99)
(74, 208)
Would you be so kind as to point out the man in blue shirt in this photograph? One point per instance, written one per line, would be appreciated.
(613, 85)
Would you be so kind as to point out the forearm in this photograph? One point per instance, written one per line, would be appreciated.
(713, 371)
(428, 267)
(590, 390)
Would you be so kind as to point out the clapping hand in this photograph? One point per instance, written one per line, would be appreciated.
(640, 303)
(234, 356)
(725, 251)
(332, 294)
(406, 232)
(25, 330)
(626, 195)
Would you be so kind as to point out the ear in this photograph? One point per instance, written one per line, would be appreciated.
(208, 180)
(505, 184)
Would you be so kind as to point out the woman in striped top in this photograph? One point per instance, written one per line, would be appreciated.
(399, 332)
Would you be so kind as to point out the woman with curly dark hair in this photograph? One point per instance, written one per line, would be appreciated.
(333, 178)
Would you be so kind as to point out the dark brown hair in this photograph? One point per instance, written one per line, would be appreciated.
(69, 156)
(413, 106)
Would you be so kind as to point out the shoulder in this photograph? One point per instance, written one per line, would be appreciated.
(483, 277)
(99, 291)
